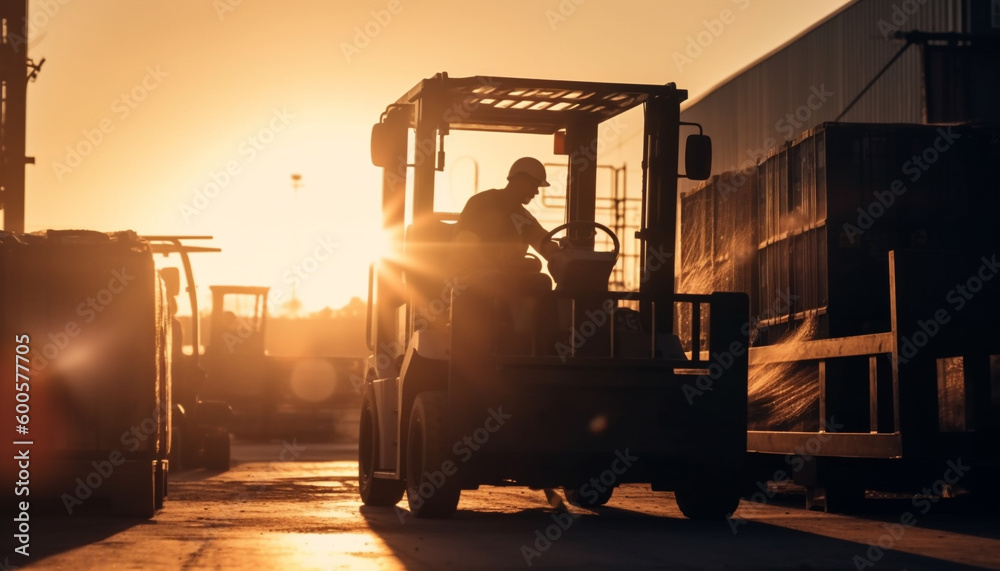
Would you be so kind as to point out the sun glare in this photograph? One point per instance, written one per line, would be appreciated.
(374, 245)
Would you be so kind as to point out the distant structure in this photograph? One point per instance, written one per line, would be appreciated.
(15, 71)
(876, 61)
(293, 306)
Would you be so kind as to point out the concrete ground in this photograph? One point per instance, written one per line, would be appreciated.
(295, 505)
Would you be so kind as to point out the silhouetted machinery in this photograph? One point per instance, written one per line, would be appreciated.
(557, 388)
(238, 370)
(271, 395)
(200, 425)
(86, 333)
(869, 252)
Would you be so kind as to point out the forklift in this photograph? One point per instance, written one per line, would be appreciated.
(577, 387)
(200, 427)
(238, 370)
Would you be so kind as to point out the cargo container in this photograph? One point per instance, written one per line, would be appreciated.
(869, 253)
(87, 312)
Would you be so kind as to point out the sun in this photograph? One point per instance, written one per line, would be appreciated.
(374, 245)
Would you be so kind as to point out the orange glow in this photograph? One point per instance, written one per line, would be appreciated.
(188, 118)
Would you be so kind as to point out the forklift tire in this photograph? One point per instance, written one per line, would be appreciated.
(217, 451)
(844, 498)
(574, 497)
(430, 492)
(374, 491)
(160, 483)
(703, 500)
(137, 496)
(190, 452)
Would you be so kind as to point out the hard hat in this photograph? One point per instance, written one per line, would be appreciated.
(531, 167)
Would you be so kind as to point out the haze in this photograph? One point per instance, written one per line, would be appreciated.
(143, 110)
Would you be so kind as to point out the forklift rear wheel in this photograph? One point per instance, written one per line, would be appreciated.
(217, 451)
(374, 491)
(189, 448)
(160, 485)
(137, 495)
(707, 500)
(574, 497)
(844, 498)
(431, 488)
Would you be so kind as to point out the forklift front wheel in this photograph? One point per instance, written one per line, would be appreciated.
(432, 490)
(217, 450)
(160, 483)
(574, 497)
(707, 499)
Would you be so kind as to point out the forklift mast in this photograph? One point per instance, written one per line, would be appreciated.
(167, 245)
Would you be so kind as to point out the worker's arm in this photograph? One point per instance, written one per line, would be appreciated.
(536, 237)
(554, 255)
(547, 249)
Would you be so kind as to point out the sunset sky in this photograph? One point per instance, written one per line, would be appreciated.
(144, 107)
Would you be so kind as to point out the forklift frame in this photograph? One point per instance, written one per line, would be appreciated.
(578, 409)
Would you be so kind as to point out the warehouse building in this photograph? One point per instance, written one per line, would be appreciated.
(873, 61)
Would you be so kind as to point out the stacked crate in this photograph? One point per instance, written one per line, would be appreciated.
(823, 213)
(817, 248)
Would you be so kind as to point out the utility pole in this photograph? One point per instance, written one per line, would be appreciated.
(15, 71)
(294, 305)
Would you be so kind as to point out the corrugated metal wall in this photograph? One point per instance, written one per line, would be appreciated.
(812, 80)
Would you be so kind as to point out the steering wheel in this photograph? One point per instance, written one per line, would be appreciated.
(586, 224)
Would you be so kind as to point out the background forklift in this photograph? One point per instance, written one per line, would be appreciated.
(596, 376)
(200, 427)
(238, 370)
(286, 396)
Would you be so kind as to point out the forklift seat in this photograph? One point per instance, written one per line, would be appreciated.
(427, 271)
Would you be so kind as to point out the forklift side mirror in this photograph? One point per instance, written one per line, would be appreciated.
(382, 146)
(698, 157)
(171, 280)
